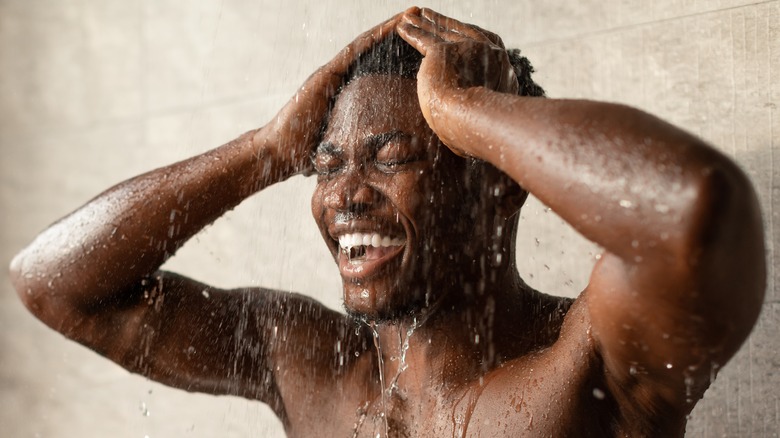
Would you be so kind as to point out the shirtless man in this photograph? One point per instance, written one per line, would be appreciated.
(441, 336)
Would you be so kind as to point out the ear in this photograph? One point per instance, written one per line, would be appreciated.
(515, 198)
(510, 197)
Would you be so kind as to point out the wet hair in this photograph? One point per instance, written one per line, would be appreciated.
(394, 56)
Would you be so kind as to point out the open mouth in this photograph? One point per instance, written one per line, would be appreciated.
(367, 246)
(362, 253)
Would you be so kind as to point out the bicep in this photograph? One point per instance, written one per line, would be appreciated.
(664, 329)
(669, 316)
(244, 342)
(191, 336)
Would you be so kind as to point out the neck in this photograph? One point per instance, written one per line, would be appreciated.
(453, 338)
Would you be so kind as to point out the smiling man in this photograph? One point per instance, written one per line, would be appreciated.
(422, 133)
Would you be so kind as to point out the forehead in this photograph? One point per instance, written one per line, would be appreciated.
(374, 104)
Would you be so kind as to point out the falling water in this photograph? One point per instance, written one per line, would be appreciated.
(381, 364)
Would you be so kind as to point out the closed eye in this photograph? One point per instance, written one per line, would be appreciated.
(399, 150)
(327, 159)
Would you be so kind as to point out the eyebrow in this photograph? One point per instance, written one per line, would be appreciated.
(327, 147)
(376, 141)
(372, 142)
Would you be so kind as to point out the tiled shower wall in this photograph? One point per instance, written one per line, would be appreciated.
(93, 92)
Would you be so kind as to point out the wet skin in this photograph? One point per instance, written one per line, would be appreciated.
(382, 170)
(675, 293)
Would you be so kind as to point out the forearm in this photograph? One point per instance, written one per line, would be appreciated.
(115, 240)
(623, 178)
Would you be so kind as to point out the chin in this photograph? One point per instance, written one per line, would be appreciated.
(367, 304)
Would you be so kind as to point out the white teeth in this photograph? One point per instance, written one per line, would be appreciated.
(369, 239)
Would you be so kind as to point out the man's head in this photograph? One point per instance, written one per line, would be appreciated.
(402, 214)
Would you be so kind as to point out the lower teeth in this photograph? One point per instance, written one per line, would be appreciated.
(356, 252)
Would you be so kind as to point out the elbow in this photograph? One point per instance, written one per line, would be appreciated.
(725, 212)
(36, 288)
(725, 249)
(27, 284)
(20, 279)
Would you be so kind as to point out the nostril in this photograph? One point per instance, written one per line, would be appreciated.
(363, 195)
(357, 208)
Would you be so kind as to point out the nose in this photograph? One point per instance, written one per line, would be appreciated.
(352, 193)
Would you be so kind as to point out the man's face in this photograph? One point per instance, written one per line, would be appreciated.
(386, 196)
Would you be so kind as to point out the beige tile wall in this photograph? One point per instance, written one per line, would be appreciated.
(93, 92)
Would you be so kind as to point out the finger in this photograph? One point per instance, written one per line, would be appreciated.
(458, 27)
(443, 34)
(494, 38)
(366, 41)
(418, 38)
(471, 30)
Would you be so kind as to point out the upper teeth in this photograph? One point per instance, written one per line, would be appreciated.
(373, 239)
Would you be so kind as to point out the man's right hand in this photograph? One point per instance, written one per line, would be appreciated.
(292, 134)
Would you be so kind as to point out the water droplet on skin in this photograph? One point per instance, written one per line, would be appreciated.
(206, 293)
(364, 294)
(598, 393)
(662, 208)
(669, 366)
(625, 203)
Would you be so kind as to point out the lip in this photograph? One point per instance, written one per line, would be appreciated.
(368, 268)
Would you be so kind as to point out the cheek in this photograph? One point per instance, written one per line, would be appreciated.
(318, 202)
(409, 192)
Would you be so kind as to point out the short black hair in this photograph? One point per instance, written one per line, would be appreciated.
(394, 56)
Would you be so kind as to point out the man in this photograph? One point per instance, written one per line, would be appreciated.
(442, 337)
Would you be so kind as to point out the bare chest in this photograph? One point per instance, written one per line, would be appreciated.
(533, 399)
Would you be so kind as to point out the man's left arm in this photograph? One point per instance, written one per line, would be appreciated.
(682, 279)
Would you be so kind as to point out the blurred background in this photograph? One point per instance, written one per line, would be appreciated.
(94, 92)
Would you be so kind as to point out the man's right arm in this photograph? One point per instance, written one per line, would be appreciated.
(94, 275)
